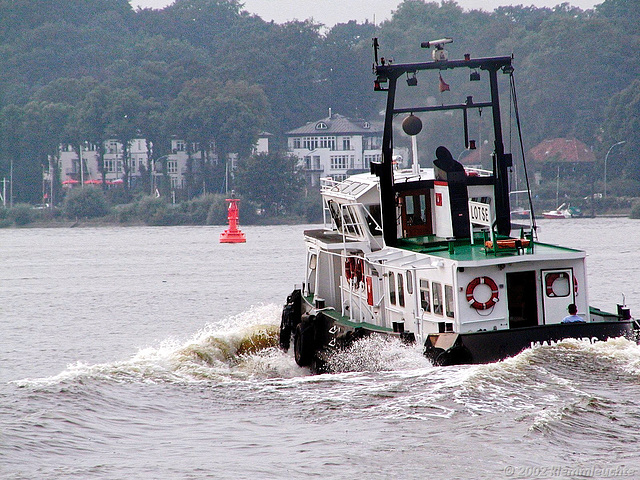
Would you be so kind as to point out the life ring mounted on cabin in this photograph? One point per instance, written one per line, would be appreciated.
(348, 268)
(488, 281)
(354, 269)
(559, 289)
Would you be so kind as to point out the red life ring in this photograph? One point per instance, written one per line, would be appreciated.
(550, 280)
(348, 268)
(359, 270)
(494, 293)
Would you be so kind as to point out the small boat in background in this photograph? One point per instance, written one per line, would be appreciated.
(563, 211)
(520, 213)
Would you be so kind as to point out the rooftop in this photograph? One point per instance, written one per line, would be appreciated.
(338, 124)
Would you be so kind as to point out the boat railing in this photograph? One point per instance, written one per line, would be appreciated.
(355, 228)
(480, 172)
(354, 294)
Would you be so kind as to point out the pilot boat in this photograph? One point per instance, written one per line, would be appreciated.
(429, 255)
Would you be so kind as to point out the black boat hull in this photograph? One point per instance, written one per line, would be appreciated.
(316, 332)
(491, 346)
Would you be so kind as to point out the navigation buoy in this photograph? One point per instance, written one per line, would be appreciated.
(232, 234)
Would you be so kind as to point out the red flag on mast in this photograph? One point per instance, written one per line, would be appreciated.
(443, 86)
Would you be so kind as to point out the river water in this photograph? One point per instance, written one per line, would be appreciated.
(124, 354)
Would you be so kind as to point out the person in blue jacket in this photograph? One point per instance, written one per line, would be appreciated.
(572, 317)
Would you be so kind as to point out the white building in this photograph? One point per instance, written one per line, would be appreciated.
(335, 146)
(138, 157)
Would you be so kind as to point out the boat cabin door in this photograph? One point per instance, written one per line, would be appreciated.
(416, 213)
(558, 291)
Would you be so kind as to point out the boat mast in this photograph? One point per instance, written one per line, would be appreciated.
(387, 75)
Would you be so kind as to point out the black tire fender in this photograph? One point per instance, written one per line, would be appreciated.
(285, 329)
(304, 343)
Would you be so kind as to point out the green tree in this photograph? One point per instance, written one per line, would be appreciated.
(622, 124)
(272, 180)
(85, 203)
(125, 116)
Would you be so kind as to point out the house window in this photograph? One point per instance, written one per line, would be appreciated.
(339, 162)
(180, 146)
(172, 166)
(327, 142)
(297, 142)
(310, 143)
(372, 158)
(373, 143)
(425, 300)
(321, 126)
(346, 143)
(316, 162)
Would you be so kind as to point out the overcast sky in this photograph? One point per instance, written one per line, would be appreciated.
(330, 12)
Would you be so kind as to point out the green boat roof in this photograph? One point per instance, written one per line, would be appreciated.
(462, 250)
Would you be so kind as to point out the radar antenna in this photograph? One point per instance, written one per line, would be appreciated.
(439, 54)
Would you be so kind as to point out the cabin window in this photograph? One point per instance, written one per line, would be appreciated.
(313, 261)
(425, 297)
(401, 289)
(351, 220)
(437, 298)
(334, 208)
(409, 283)
(448, 300)
(392, 288)
(557, 284)
(375, 213)
(416, 209)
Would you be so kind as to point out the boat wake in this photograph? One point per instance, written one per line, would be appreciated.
(375, 354)
(542, 388)
(240, 347)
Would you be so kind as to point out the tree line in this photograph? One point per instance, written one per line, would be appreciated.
(211, 73)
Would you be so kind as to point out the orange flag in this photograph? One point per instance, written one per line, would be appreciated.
(443, 86)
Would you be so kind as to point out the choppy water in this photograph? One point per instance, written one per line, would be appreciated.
(147, 353)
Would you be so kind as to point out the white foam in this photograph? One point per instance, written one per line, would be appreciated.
(234, 348)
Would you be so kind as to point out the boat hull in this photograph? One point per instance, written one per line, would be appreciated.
(317, 332)
(491, 346)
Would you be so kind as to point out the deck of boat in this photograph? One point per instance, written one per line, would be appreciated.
(463, 250)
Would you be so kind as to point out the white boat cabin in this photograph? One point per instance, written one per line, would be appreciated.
(444, 274)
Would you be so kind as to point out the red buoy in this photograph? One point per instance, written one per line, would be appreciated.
(232, 234)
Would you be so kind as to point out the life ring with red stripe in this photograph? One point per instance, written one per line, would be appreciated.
(348, 268)
(552, 277)
(494, 293)
(359, 270)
